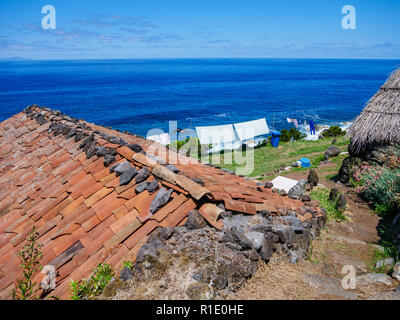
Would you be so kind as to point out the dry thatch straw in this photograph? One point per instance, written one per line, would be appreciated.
(379, 122)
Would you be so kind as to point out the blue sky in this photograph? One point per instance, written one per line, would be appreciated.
(199, 29)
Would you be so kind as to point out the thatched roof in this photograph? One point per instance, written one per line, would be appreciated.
(379, 122)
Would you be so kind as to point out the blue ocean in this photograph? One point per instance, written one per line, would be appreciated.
(139, 95)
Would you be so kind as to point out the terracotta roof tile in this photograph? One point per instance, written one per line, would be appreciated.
(124, 221)
(107, 205)
(169, 208)
(211, 212)
(179, 214)
(124, 233)
(82, 214)
(140, 233)
(98, 196)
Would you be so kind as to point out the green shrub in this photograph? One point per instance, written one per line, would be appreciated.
(93, 287)
(30, 255)
(292, 133)
(380, 186)
(322, 195)
(334, 131)
(389, 251)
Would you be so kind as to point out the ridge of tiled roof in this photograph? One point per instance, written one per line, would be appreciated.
(57, 174)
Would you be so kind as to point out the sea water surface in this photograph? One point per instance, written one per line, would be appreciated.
(139, 95)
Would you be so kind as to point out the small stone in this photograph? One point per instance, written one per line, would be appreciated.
(341, 204)
(333, 194)
(108, 159)
(298, 190)
(267, 248)
(142, 175)
(135, 147)
(396, 271)
(160, 199)
(293, 257)
(332, 151)
(91, 151)
(141, 186)
(152, 186)
(313, 178)
(306, 198)
(172, 168)
(126, 274)
(269, 185)
(127, 176)
(122, 167)
(198, 181)
(195, 220)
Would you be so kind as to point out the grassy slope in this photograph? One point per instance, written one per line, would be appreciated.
(268, 159)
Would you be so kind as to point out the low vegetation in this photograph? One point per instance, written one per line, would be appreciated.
(322, 195)
(30, 255)
(292, 134)
(86, 289)
(380, 187)
(334, 131)
(268, 159)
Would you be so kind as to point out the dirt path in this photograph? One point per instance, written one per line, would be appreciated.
(349, 243)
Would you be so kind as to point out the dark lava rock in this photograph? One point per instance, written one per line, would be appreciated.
(341, 204)
(87, 141)
(71, 133)
(135, 147)
(313, 178)
(126, 274)
(333, 194)
(298, 190)
(122, 167)
(152, 186)
(127, 176)
(332, 151)
(306, 198)
(165, 233)
(141, 186)
(160, 199)
(348, 168)
(198, 181)
(108, 159)
(269, 185)
(80, 135)
(172, 168)
(142, 175)
(267, 248)
(240, 238)
(195, 220)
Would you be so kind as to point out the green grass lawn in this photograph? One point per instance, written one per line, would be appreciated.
(268, 159)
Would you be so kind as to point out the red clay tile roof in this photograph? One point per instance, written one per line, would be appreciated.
(53, 176)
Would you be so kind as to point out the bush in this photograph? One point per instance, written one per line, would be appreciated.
(30, 255)
(322, 195)
(293, 133)
(380, 186)
(334, 131)
(93, 287)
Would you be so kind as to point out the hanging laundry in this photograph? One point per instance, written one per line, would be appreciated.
(294, 121)
(312, 127)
